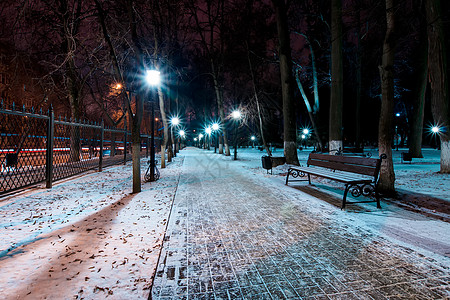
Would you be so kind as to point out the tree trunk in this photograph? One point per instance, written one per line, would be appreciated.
(336, 100)
(385, 136)
(437, 68)
(358, 142)
(136, 144)
(220, 144)
(290, 126)
(419, 90)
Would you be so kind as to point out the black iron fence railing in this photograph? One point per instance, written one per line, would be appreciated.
(37, 147)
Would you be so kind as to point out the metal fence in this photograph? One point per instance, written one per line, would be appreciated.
(35, 147)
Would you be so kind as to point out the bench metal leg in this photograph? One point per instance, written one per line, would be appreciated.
(309, 178)
(377, 196)
(344, 200)
(287, 176)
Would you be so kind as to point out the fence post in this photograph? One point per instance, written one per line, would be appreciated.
(49, 150)
(102, 135)
(125, 146)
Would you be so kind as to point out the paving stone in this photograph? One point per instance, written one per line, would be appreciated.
(230, 237)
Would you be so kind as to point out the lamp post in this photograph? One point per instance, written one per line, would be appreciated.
(153, 78)
(200, 136)
(305, 133)
(236, 116)
(182, 135)
(208, 132)
(215, 127)
(253, 138)
(174, 121)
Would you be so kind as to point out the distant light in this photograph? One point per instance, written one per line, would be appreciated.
(195, 139)
(200, 136)
(215, 126)
(182, 133)
(153, 77)
(435, 129)
(175, 121)
(397, 114)
(303, 136)
(253, 138)
(305, 131)
(208, 130)
(236, 114)
(118, 86)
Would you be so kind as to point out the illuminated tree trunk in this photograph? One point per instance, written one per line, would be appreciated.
(385, 135)
(437, 68)
(287, 82)
(336, 100)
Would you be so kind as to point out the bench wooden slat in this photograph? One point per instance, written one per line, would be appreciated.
(364, 170)
(363, 161)
(347, 178)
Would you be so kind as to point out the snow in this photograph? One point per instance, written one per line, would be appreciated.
(85, 238)
(89, 237)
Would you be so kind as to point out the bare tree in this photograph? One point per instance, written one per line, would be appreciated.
(208, 21)
(337, 84)
(312, 110)
(287, 82)
(437, 68)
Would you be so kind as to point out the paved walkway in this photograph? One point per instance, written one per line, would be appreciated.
(232, 235)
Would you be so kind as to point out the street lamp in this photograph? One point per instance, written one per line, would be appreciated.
(208, 131)
(236, 114)
(174, 121)
(215, 127)
(435, 129)
(153, 78)
(253, 138)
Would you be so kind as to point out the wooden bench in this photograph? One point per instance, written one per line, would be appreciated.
(359, 174)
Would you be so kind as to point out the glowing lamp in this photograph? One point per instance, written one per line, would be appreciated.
(236, 114)
(153, 77)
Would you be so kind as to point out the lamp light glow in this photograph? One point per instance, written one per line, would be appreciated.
(236, 114)
(253, 138)
(215, 126)
(153, 77)
(435, 129)
(175, 121)
(305, 131)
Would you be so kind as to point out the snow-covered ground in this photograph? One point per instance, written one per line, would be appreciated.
(88, 237)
